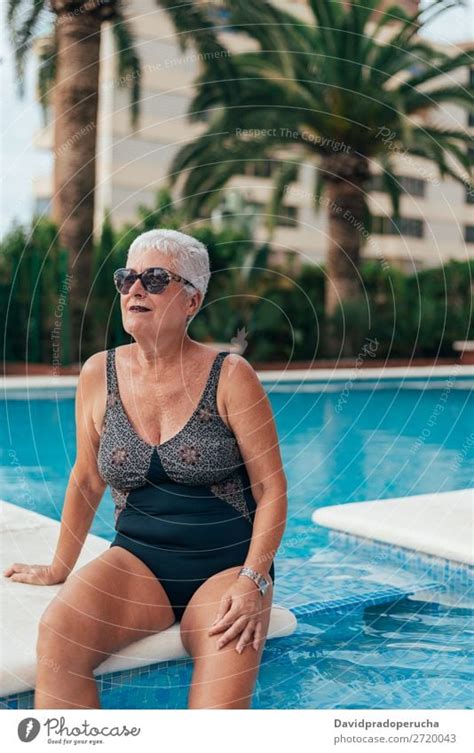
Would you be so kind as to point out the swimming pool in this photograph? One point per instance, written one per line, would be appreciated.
(341, 441)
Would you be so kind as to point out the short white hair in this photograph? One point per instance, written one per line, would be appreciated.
(190, 257)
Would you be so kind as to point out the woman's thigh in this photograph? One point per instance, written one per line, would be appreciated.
(104, 606)
(222, 678)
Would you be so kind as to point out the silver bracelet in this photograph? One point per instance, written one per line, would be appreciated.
(262, 583)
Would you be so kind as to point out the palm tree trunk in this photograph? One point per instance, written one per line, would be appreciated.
(344, 175)
(75, 127)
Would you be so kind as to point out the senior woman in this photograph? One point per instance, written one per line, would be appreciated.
(185, 437)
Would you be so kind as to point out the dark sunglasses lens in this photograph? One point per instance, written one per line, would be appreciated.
(124, 280)
(155, 280)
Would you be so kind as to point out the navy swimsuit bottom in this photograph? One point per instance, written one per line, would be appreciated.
(184, 507)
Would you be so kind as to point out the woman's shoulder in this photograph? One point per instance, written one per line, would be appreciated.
(207, 352)
(93, 386)
(94, 365)
(237, 360)
(230, 361)
(238, 372)
(93, 376)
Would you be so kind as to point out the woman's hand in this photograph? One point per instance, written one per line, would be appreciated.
(239, 613)
(37, 575)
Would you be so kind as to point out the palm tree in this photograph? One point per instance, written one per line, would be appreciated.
(69, 80)
(345, 92)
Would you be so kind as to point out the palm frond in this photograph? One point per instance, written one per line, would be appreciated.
(286, 173)
(277, 32)
(212, 162)
(22, 32)
(195, 27)
(402, 38)
(442, 134)
(388, 15)
(129, 67)
(328, 16)
(428, 13)
(191, 23)
(194, 152)
(204, 184)
(47, 71)
(417, 100)
(434, 152)
(259, 93)
(391, 184)
(325, 83)
(355, 38)
(449, 64)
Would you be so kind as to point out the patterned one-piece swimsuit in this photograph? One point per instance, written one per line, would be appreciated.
(185, 506)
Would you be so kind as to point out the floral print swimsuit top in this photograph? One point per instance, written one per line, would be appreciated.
(185, 506)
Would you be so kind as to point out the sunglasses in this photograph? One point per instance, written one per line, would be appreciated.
(154, 279)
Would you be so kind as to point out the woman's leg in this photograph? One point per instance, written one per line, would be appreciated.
(104, 606)
(222, 678)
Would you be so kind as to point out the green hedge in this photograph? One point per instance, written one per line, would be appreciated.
(276, 312)
(33, 276)
(410, 315)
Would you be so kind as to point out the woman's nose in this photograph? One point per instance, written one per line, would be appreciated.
(136, 287)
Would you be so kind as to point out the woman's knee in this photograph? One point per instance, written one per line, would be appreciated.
(75, 627)
(64, 636)
(202, 608)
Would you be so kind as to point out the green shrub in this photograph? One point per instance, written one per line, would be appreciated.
(33, 274)
(278, 311)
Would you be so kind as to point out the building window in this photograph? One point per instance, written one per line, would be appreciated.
(411, 186)
(471, 75)
(469, 233)
(410, 226)
(287, 215)
(470, 119)
(261, 168)
(469, 194)
(264, 168)
(375, 183)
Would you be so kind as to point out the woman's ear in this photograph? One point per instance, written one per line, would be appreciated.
(197, 298)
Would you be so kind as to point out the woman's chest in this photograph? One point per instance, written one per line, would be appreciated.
(204, 452)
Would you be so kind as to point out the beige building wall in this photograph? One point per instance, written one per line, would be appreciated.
(131, 165)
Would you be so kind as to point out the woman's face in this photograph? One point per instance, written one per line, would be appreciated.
(158, 313)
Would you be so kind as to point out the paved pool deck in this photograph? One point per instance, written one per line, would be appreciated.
(338, 375)
(440, 525)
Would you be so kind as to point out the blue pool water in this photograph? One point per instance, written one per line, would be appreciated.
(376, 440)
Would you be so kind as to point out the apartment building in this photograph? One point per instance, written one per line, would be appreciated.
(437, 217)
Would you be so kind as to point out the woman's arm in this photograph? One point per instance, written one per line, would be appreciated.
(85, 487)
(250, 416)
